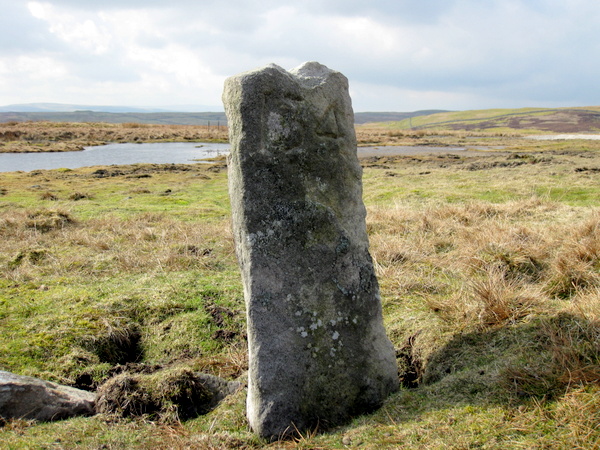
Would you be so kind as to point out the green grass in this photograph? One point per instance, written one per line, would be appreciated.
(490, 179)
(489, 274)
(174, 192)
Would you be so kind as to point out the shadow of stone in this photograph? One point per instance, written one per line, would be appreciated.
(540, 359)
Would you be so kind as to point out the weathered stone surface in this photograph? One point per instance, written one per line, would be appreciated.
(318, 352)
(219, 387)
(24, 397)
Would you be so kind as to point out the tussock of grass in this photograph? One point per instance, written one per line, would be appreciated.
(563, 355)
(491, 299)
(115, 343)
(576, 265)
(170, 395)
(48, 220)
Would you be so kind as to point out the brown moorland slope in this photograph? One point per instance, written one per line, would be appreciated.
(555, 121)
(18, 137)
(526, 120)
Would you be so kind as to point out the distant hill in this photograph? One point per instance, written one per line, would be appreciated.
(61, 107)
(374, 117)
(560, 120)
(164, 118)
(113, 115)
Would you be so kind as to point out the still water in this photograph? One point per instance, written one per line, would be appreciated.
(104, 155)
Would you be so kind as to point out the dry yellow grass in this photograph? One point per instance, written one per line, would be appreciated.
(60, 137)
(385, 134)
(480, 267)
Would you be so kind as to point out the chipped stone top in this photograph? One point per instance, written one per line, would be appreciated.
(312, 73)
(309, 74)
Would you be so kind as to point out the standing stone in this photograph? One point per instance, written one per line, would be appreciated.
(318, 352)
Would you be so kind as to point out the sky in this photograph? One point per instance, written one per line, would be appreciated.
(398, 55)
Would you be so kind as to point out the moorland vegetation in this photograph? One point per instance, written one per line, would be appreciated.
(28, 137)
(489, 266)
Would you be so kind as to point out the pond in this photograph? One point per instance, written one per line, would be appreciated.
(181, 153)
(104, 155)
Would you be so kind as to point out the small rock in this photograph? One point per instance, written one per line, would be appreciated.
(23, 397)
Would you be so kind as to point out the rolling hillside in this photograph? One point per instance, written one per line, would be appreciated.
(527, 120)
(161, 118)
(172, 118)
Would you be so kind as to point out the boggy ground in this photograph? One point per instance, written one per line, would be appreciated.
(18, 137)
(489, 272)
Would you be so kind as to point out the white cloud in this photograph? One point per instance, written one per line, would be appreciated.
(80, 32)
(370, 38)
(376, 97)
(398, 54)
(38, 10)
(38, 68)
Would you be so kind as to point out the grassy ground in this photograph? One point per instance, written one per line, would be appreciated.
(489, 271)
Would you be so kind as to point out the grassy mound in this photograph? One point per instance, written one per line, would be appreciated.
(170, 395)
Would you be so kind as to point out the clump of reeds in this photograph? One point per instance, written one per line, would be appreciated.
(45, 220)
(49, 196)
(75, 196)
(575, 266)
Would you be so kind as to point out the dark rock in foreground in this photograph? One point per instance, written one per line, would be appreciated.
(30, 398)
